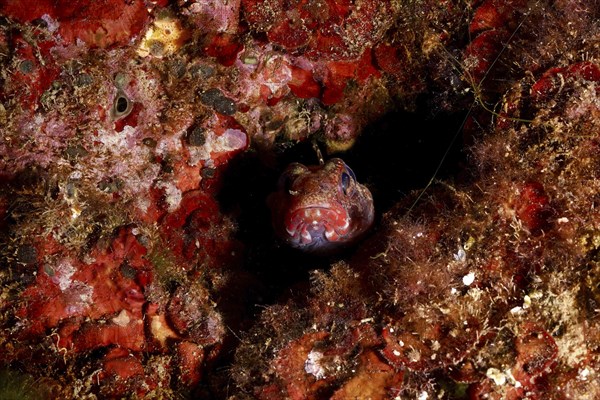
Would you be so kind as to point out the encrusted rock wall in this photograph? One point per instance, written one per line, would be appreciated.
(125, 267)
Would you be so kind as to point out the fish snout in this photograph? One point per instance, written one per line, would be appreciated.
(313, 225)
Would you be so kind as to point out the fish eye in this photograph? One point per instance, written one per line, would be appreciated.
(350, 172)
(346, 182)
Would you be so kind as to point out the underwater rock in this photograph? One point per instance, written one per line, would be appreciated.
(123, 262)
(100, 24)
(474, 292)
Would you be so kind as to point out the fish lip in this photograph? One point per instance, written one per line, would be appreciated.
(308, 223)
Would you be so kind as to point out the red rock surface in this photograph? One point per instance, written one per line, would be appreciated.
(135, 261)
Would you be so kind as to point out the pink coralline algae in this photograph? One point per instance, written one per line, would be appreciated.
(139, 142)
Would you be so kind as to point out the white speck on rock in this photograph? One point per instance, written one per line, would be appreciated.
(173, 195)
(468, 279)
(516, 310)
(63, 273)
(526, 302)
(122, 319)
(496, 375)
(312, 364)
(583, 374)
(461, 255)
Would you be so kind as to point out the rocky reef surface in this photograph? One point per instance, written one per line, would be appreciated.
(139, 140)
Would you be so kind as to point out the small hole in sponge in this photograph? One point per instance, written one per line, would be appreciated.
(121, 105)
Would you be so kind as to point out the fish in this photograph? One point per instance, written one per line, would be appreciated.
(321, 209)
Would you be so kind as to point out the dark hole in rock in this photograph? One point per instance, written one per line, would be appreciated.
(121, 105)
(391, 165)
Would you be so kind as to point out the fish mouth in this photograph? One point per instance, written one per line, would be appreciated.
(313, 225)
